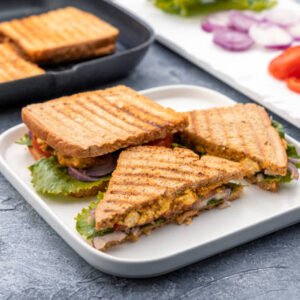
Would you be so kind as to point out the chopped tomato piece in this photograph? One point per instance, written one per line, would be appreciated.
(294, 84)
(37, 147)
(166, 142)
(287, 64)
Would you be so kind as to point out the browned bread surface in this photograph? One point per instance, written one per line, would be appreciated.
(13, 66)
(95, 123)
(237, 132)
(64, 34)
(145, 174)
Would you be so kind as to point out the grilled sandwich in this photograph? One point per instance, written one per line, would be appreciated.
(13, 66)
(244, 132)
(153, 186)
(77, 139)
(62, 35)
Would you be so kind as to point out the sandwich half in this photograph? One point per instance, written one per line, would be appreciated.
(244, 132)
(76, 139)
(153, 186)
(61, 35)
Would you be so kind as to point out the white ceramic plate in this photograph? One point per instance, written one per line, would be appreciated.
(245, 71)
(255, 214)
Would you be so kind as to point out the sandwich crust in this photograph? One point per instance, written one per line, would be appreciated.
(146, 175)
(61, 35)
(14, 66)
(94, 123)
(238, 132)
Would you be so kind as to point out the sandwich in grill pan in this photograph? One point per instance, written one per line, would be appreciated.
(61, 35)
(76, 139)
(13, 66)
(244, 132)
(153, 186)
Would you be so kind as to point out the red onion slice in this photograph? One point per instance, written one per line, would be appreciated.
(216, 21)
(241, 22)
(270, 36)
(100, 242)
(105, 167)
(293, 170)
(232, 40)
(294, 160)
(282, 17)
(80, 175)
(294, 31)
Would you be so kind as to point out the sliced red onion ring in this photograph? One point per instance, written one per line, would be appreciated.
(294, 160)
(294, 31)
(232, 40)
(282, 17)
(100, 242)
(29, 134)
(80, 175)
(293, 170)
(216, 21)
(107, 165)
(202, 202)
(270, 36)
(260, 177)
(241, 22)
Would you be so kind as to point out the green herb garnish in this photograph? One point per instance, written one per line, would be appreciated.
(25, 140)
(214, 202)
(279, 127)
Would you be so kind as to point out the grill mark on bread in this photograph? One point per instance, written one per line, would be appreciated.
(14, 66)
(251, 135)
(131, 123)
(115, 122)
(93, 125)
(68, 132)
(133, 187)
(56, 36)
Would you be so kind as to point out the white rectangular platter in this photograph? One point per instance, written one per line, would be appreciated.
(257, 213)
(245, 71)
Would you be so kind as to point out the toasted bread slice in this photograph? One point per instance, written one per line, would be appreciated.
(95, 123)
(13, 66)
(147, 176)
(61, 35)
(238, 132)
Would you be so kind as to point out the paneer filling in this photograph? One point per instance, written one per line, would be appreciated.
(180, 210)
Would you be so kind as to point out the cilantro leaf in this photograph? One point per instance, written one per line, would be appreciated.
(279, 127)
(292, 151)
(49, 177)
(214, 202)
(25, 140)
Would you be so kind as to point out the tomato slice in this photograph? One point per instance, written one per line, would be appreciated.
(293, 84)
(166, 142)
(37, 147)
(287, 64)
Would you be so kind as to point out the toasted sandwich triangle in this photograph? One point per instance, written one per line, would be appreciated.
(146, 175)
(238, 132)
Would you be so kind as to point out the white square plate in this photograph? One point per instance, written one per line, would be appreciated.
(257, 213)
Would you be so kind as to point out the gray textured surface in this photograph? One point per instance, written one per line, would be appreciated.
(35, 263)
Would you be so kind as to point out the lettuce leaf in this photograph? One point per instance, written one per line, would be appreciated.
(85, 221)
(279, 127)
(48, 177)
(25, 140)
(280, 179)
(292, 151)
(189, 7)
